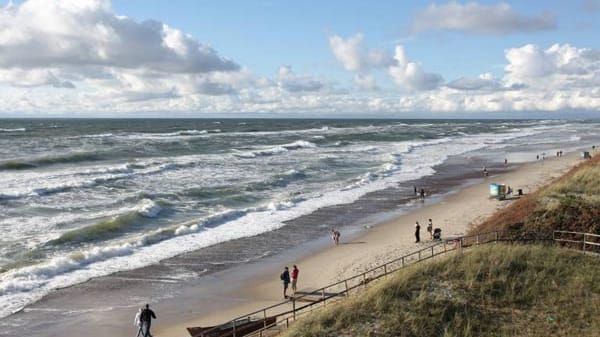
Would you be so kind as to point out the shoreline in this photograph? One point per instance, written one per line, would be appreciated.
(456, 212)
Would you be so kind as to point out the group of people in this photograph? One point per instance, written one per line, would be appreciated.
(420, 193)
(433, 233)
(286, 279)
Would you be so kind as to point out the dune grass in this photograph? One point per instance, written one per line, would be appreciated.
(498, 290)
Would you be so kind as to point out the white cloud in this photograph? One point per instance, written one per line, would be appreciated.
(39, 33)
(555, 67)
(411, 75)
(365, 82)
(354, 55)
(83, 43)
(485, 82)
(291, 82)
(476, 18)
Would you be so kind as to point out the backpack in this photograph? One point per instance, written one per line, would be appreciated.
(281, 276)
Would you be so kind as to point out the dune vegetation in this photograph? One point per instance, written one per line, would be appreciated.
(499, 290)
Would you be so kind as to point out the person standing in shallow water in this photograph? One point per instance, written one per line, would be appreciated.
(285, 278)
(417, 232)
(146, 317)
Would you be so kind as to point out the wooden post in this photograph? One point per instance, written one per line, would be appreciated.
(265, 317)
(287, 322)
(365, 279)
(496, 237)
(419, 255)
(431, 251)
(477, 238)
(323, 296)
(403, 262)
(346, 284)
(234, 334)
(294, 307)
(385, 269)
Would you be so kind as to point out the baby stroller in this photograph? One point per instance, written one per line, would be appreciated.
(437, 234)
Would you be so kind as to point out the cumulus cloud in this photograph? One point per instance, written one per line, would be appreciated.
(72, 43)
(291, 82)
(353, 54)
(556, 66)
(411, 75)
(39, 33)
(476, 18)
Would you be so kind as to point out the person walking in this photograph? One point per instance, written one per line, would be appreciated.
(138, 323)
(430, 229)
(295, 272)
(422, 194)
(285, 278)
(415, 189)
(417, 232)
(146, 317)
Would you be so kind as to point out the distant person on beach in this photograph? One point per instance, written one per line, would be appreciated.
(146, 317)
(485, 171)
(417, 232)
(537, 157)
(430, 229)
(422, 194)
(415, 189)
(137, 322)
(505, 161)
(335, 236)
(285, 278)
(295, 272)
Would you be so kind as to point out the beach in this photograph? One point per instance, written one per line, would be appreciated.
(455, 214)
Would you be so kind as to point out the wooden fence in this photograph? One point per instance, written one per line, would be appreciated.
(289, 310)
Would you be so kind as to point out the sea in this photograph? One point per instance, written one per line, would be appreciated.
(86, 198)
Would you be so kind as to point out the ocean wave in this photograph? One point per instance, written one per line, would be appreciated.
(50, 160)
(83, 179)
(145, 209)
(13, 130)
(300, 144)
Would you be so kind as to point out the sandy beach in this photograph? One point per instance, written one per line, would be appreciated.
(455, 213)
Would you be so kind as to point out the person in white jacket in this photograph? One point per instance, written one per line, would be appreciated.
(137, 322)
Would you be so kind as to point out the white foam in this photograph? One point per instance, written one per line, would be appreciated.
(13, 130)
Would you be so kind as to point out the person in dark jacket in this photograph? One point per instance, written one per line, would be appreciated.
(417, 232)
(285, 277)
(146, 320)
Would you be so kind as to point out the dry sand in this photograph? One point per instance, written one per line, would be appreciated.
(455, 214)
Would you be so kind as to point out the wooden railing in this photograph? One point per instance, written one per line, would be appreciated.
(589, 243)
(289, 310)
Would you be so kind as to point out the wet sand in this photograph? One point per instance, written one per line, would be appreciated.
(213, 285)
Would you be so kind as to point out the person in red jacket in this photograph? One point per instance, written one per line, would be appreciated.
(295, 272)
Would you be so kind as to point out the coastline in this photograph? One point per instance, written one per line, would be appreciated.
(455, 214)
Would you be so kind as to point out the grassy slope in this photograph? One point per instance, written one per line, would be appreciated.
(489, 291)
(570, 203)
(494, 290)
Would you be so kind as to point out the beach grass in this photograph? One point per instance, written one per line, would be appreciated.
(499, 290)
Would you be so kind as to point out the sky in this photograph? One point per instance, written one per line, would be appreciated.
(267, 58)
